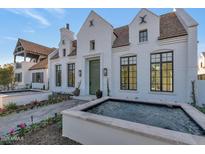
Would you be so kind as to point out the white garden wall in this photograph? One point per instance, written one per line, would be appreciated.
(21, 99)
(200, 90)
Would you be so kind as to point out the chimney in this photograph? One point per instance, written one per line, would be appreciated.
(67, 26)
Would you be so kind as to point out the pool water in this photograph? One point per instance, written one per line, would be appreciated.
(172, 118)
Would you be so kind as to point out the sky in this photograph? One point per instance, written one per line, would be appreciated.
(42, 25)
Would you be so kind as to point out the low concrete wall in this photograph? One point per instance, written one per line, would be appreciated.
(200, 90)
(23, 99)
(39, 85)
(89, 133)
(88, 128)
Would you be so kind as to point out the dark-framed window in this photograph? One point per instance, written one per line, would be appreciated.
(58, 75)
(201, 77)
(64, 52)
(37, 77)
(92, 45)
(161, 71)
(143, 35)
(18, 77)
(63, 42)
(71, 75)
(128, 73)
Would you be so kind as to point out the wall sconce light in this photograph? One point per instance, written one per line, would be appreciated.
(105, 72)
(79, 73)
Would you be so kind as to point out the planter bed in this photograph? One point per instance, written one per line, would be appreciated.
(45, 132)
(52, 99)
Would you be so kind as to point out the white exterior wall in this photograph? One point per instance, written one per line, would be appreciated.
(102, 33)
(25, 73)
(143, 71)
(68, 37)
(184, 53)
(63, 61)
(45, 79)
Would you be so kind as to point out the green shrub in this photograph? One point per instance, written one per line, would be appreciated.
(11, 106)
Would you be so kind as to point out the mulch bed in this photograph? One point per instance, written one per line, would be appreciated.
(50, 135)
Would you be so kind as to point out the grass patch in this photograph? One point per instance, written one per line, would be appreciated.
(10, 106)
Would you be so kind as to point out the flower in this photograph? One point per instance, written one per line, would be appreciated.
(2, 110)
(22, 125)
(11, 131)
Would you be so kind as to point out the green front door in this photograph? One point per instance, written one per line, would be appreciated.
(94, 76)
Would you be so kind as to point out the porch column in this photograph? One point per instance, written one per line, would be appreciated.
(14, 58)
(24, 56)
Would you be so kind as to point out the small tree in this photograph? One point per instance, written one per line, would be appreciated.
(7, 79)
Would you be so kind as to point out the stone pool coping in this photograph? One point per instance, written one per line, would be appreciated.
(173, 137)
(29, 92)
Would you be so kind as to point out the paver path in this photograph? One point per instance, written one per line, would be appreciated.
(41, 113)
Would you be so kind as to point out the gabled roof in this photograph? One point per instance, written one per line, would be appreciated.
(34, 48)
(56, 55)
(122, 36)
(170, 26)
(73, 52)
(41, 65)
(94, 13)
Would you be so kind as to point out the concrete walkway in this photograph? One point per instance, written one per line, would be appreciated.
(41, 113)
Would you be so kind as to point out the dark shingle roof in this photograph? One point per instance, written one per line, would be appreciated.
(56, 56)
(41, 65)
(34, 48)
(170, 26)
(74, 51)
(122, 36)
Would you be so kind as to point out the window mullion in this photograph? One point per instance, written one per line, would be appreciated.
(161, 72)
(128, 72)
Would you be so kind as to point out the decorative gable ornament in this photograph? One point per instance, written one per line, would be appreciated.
(143, 19)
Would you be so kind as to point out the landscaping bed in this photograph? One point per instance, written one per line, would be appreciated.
(50, 135)
(52, 99)
(47, 132)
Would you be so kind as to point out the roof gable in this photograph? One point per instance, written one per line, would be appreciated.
(92, 16)
(142, 12)
(34, 48)
(41, 65)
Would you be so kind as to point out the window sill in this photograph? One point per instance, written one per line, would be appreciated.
(142, 43)
(162, 93)
(128, 91)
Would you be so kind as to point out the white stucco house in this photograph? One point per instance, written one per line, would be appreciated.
(32, 71)
(151, 58)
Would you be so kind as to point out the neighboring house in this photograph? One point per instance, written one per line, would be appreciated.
(33, 70)
(152, 58)
(201, 66)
